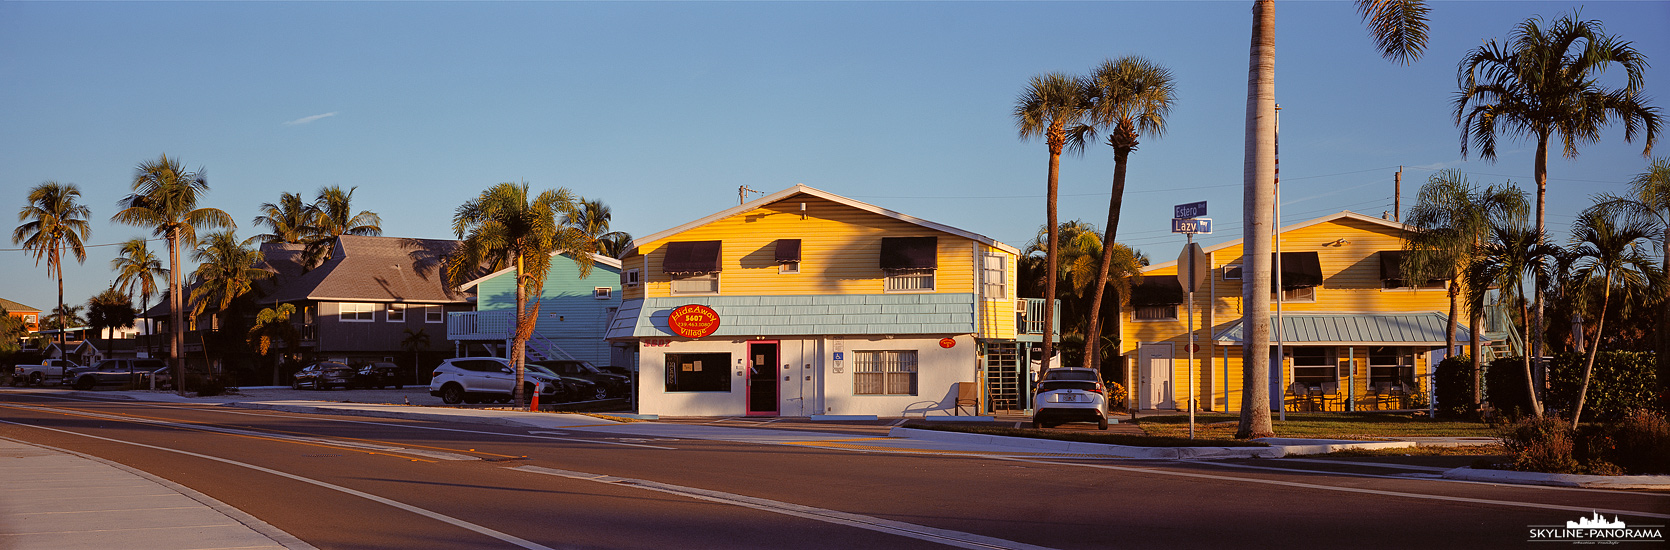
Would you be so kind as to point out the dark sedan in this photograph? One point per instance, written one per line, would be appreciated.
(378, 375)
(611, 385)
(323, 375)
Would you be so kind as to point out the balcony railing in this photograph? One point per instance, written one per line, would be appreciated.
(480, 325)
(1030, 319)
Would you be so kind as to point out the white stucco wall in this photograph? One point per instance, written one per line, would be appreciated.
(811, 382)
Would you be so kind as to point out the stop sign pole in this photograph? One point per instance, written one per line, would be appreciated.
(1191, 272)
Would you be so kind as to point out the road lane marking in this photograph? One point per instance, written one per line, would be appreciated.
(920, 532)
(1381, 492)
(270, 413)
(518, 541)
(361, 446)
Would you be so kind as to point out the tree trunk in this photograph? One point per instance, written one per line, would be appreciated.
(176, 318)
(519, 343)
(1259, 190)
(1455, 309)
(1536, 324)
(53, 259)
(1594, 350)
(1530, 381)
(1092, 337)
(1051, 255)
(1475, 351)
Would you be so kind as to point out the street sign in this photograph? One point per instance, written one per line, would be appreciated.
(1192, 267)
(1191, 210)
(1202, 226)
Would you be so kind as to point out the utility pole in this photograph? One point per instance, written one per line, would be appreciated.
(1397, 195)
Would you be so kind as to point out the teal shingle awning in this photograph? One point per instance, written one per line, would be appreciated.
(1426, 328)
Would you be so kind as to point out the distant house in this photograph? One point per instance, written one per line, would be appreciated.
(573, 313)
(31, 316)
(357, 306)
(1354, 334)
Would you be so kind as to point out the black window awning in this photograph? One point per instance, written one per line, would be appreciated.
(1299, 269)
(1157, 290)
(788, 251)
(909, 253)
(691, 257)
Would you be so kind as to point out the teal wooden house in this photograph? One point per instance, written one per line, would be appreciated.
(574, 313)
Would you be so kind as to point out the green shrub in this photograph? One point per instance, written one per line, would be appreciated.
(1455, 387)
(1504, 386)
(1623, 381)
(1639, 444)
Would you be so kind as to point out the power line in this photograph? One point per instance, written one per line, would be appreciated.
(66, 248)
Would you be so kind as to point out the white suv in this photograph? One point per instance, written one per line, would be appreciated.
(481, 379)
(1070, 394)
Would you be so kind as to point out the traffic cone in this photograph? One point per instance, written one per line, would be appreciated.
(533, 404)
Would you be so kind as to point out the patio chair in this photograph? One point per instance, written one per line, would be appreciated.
(968, 395)
(1301, 395)
(1380, 392)
(1330, 393)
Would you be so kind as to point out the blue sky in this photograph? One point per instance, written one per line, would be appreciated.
(662, 110)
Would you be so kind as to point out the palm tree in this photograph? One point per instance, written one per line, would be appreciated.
(288, 221)
(63, 318)
(1131, 98)
(54, 223)
(110, 310)
(1609, 247)
(1079, 253)
(1451, 220)
(1399, 28)
(137, 271)
(505, 227)
(164, 198)
(1054, 106)
(333, 216)
(615, 244)
(1513, 252)
(1652, 190)
(273, 324)
(1543, 82)
(415, 342)
(225, 271)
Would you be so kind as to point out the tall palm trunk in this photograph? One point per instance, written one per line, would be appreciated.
(1051, 252)
(1258, 183)
(519, 342)
(176, 318)
(1530, 381)
(1092, 337)
(63, 321)
(1594, 350)
(1541, 176)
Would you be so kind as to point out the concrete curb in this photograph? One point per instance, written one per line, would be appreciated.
(1559, 480)
(1051, 445)
(403, 412)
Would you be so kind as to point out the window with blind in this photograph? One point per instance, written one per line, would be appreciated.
(910, 281)
(357, 312)
(699, 283)
(884, 372)
(993, 277)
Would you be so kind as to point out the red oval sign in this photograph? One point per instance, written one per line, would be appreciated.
(947, 343)
(693, 321)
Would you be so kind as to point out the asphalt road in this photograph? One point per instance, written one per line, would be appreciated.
(357, 482)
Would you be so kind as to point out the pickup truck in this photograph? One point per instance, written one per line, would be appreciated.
(114, 372)
(52, 370)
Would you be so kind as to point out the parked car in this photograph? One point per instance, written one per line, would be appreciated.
(569, 388)
(378, 375)
(479, 379)
(115, 372)
(50, 371)
(611, 369)
(323, 375)
(613, 385)
(1070, 394)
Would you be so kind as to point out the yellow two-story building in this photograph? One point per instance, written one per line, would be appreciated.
(803, 302)
(1353, 334)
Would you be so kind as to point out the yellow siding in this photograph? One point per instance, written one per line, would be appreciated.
(840, 246)
(1351, 284)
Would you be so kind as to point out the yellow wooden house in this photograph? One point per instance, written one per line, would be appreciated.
(1353, 334)
(803, 303)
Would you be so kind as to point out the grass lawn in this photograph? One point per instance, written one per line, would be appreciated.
(1340, 425)
(1086, 436)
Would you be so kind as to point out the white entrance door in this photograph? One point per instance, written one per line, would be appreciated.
(1154, 372)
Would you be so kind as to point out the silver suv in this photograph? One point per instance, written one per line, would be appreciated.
(484, 379)
(1070, 394)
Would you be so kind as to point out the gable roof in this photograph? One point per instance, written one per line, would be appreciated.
(1343, 215)
(371, 269)
(599, 258)
(1378, 329)
(831, 197)
(15, 307)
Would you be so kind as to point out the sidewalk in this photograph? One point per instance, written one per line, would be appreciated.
(60, 499)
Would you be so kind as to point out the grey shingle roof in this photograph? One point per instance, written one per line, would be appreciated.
(372, 269)
(14, 306)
